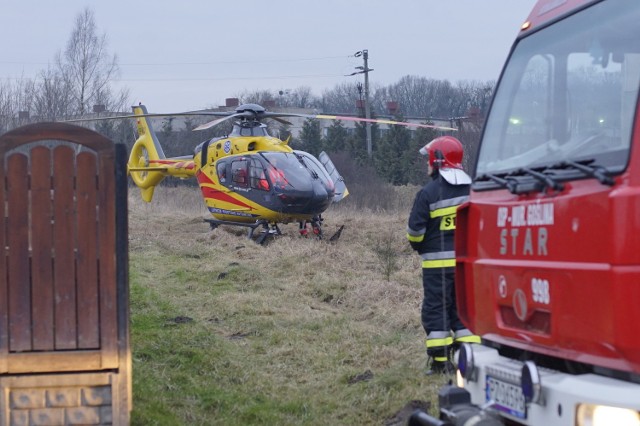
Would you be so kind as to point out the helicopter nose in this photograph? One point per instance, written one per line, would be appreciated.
(321, 198)
(315, 199)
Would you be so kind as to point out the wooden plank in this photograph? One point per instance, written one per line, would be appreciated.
(19, 280)
(64, 237)
(87, 258)
(56, 361)
(56, 380)
(41, 250)
(4, 289)
(122, 289)
(107, 256)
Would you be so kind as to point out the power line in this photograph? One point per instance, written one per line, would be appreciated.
(243, 61)
(276, 77)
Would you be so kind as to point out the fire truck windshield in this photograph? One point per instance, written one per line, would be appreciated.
(568, 93)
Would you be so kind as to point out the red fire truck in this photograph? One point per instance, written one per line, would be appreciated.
(548, 247)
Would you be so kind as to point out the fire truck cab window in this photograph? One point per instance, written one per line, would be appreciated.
(568, 93)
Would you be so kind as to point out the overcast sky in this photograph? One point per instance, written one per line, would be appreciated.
(178, 56)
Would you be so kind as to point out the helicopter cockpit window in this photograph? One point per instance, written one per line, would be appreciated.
(284, 171)
(317, 169)
(295, 170)
(222, 171)
(239, 173)
(257, 176)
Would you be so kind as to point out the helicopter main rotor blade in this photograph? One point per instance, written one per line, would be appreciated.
(280, 120)
(151, 115)
(258, 113)
(381, 121)
(210, 124)
(356, 119)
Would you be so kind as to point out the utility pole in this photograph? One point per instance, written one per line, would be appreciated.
(367, 109)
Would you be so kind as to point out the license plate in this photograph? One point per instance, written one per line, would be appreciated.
(506, 396)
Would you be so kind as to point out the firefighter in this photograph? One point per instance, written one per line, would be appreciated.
(430, 232)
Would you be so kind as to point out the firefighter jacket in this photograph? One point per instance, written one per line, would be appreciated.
(432, 221)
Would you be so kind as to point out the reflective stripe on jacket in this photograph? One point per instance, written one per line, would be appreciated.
(439, 259)
(431, 225)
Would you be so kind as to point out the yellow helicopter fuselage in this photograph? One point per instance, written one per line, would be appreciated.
(245, 177)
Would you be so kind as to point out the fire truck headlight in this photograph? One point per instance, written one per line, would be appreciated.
(459, 379)
(600, 415)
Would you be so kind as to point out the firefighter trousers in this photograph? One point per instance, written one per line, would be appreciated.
(439, 314)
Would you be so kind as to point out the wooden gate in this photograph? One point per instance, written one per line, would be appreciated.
(64, 336)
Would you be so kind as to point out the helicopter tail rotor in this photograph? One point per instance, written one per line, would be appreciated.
(143, 164)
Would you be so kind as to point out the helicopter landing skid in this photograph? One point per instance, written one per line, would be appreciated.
(266, 228)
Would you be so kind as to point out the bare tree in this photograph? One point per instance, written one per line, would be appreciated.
(16, 100)
(260, 97)
(300, 97)
(6, 109)
(341, 99)
(86, 66)
(52, 97)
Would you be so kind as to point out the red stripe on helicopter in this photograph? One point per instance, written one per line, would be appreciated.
(216, 194)
(177, 164)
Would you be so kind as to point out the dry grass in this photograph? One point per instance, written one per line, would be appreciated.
(300, 331)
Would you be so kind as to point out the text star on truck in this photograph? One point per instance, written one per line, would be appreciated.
(548, 246)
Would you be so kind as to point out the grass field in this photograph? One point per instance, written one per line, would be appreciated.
(300, 331)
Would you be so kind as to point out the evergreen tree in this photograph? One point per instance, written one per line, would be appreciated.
(310, 139)
(336, 139)
(356, 147)
(415, 162)
(391, 152)
(357, 142)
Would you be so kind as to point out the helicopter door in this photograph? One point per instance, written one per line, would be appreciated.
(257, 176)
(239, 174)
(338, 181)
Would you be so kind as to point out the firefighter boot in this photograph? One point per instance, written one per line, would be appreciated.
(438, 352)
(442, 367)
